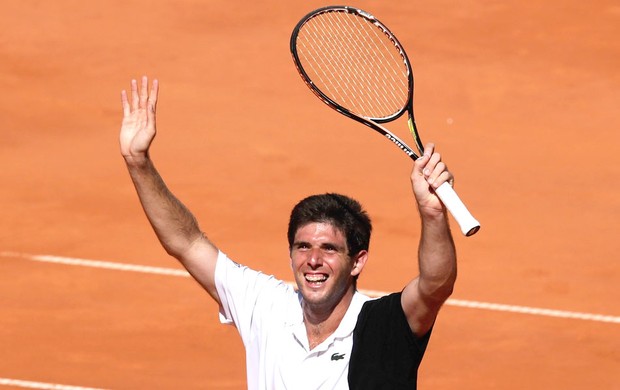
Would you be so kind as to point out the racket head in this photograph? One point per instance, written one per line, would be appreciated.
(353, 63)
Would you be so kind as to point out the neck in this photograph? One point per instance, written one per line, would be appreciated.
(322, 322)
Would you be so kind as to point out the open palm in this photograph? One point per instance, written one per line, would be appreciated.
(138, 127)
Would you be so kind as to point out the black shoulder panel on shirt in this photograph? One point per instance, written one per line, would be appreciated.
(386, 354)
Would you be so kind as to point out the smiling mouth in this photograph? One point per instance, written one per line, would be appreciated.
(315, 278)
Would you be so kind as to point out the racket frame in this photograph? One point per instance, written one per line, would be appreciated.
(373, 123)
(468, 224)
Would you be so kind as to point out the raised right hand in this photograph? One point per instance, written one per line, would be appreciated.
(138, 128)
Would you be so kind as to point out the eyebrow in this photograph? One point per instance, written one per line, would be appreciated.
(323, 245)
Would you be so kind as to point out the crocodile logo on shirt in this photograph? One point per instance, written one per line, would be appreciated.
(338, 356)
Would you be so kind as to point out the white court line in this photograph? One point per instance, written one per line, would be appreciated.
(40, 385)
(451, 302)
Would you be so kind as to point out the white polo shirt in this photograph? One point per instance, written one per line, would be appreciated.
(268, 315)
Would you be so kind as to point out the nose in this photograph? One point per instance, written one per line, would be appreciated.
(315, 259)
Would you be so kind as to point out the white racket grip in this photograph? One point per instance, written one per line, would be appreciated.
(468, 224)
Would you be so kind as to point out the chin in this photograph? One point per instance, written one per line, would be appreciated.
(314, 296)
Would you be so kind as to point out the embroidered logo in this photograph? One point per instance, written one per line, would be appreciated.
(338, 356)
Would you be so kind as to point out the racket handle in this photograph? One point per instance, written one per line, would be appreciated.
(468, 224)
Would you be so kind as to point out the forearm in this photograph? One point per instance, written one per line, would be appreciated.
(175, 226)
(423, 296)
(172, 222)
(437, 259)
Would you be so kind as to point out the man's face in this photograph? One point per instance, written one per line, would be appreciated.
(323, 270)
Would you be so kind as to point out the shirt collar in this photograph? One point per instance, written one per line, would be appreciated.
(345, 329)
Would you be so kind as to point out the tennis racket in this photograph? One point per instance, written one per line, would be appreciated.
(353, 63)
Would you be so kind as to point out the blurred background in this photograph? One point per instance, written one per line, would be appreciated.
(519, 97)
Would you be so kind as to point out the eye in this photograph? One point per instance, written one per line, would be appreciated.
(302, 246)
(330, 248)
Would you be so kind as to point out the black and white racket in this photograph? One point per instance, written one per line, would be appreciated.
(353, 63)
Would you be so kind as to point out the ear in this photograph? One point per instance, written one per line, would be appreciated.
(358, 262)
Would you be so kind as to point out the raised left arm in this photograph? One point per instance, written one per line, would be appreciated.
(423, 296)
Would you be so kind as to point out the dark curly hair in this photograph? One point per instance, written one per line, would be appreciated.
(344, 213)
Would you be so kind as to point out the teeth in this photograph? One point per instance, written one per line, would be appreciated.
(316, 278)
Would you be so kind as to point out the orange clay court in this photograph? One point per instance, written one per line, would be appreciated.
(521, 98)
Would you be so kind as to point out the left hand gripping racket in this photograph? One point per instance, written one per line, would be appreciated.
(353, 63)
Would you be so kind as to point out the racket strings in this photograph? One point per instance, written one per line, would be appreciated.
(343, 84)
(355, 63)
(382, 50)
(357, 77)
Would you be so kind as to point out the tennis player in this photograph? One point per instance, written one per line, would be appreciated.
(324, 334)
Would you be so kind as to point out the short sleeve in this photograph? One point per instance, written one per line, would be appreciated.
(246, 295)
